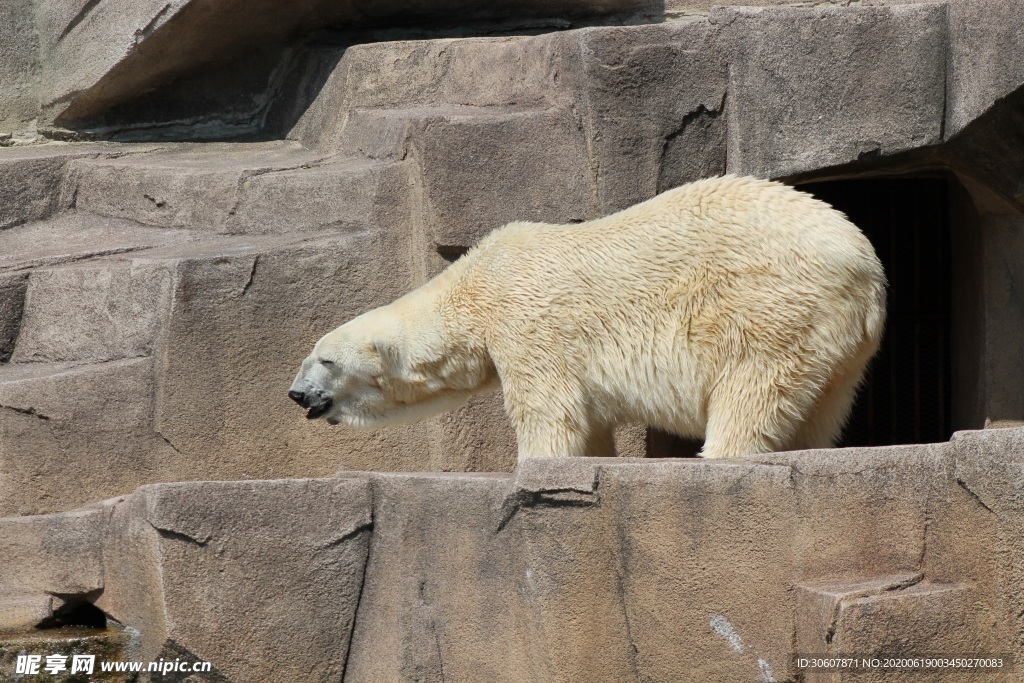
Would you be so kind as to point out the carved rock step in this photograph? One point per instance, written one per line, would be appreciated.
(74, 432)
(32, 178)
(20, 612)
(897, 616)
(241, 188)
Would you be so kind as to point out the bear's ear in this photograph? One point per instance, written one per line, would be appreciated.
(390, 357)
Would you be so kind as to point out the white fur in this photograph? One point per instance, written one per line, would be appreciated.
(734, 309)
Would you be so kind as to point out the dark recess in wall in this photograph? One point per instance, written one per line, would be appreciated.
(906, 396)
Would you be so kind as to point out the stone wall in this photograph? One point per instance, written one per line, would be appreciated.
(596, 569)
(159, 294)
(185, 209)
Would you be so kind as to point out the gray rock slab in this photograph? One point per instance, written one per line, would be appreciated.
(373, 78)
(815, 87)
(342, 195)
(72, 434)
(243, 188)
(19, 68)
(652, 99)
(76, 237)
(24, 612)
(897, 616)
(680, 579)
(183, 186)
(118, 49)
(262, 579)
(33, 178)
(982, 41)
(441, 596)
(838, 493)
(95, 312)
(990, 466)
(48, 555)
(596, 565)
(483, 171)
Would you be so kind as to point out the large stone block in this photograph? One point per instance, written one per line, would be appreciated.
(896, 617)
(440, 598)
(189, 186)
(184, 197)
(652, 99)
(24, 612)
(484, 170)
(19, 68)
(261, 579)
(838, 494)
(983, 37)
(816, 87)
(408, 75)
(348, 195)
(272, 188)
(697, 607)
(96, 312)
(989, 473)
(990, 466)
(71, 434)
(52, 555)
(602, 566)
(30, 186)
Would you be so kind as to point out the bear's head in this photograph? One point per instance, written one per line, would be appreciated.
(386, 367)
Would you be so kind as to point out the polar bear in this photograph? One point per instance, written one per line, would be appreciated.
(732, 309)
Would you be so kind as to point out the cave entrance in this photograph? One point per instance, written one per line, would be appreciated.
(907, 393)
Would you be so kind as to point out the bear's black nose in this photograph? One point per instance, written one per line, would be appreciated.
(298, 397)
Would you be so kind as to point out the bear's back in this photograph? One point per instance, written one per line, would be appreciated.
(710, 228)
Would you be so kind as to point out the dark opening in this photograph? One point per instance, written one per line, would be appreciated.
(906, 395)
(75, 612)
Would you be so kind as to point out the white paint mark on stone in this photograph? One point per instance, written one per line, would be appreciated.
(767, 676)
(723, 628)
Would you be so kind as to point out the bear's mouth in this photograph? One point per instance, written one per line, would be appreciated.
(319, 410)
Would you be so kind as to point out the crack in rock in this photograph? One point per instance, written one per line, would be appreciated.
(181, 536)
(970, 492)
(26, 411)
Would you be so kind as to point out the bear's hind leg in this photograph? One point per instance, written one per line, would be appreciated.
(752, 411)
(824, 425)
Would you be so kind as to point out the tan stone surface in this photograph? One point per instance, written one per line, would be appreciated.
(627, 569)
(262, 579)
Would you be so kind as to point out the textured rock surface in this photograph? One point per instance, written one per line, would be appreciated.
(627, 569)
(156, 298)
(261, 579)
(52, 554)
(872, 80)
(209, 269)
(19, 68)
(119, 49)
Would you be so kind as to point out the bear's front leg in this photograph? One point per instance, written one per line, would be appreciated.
(543, 437)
